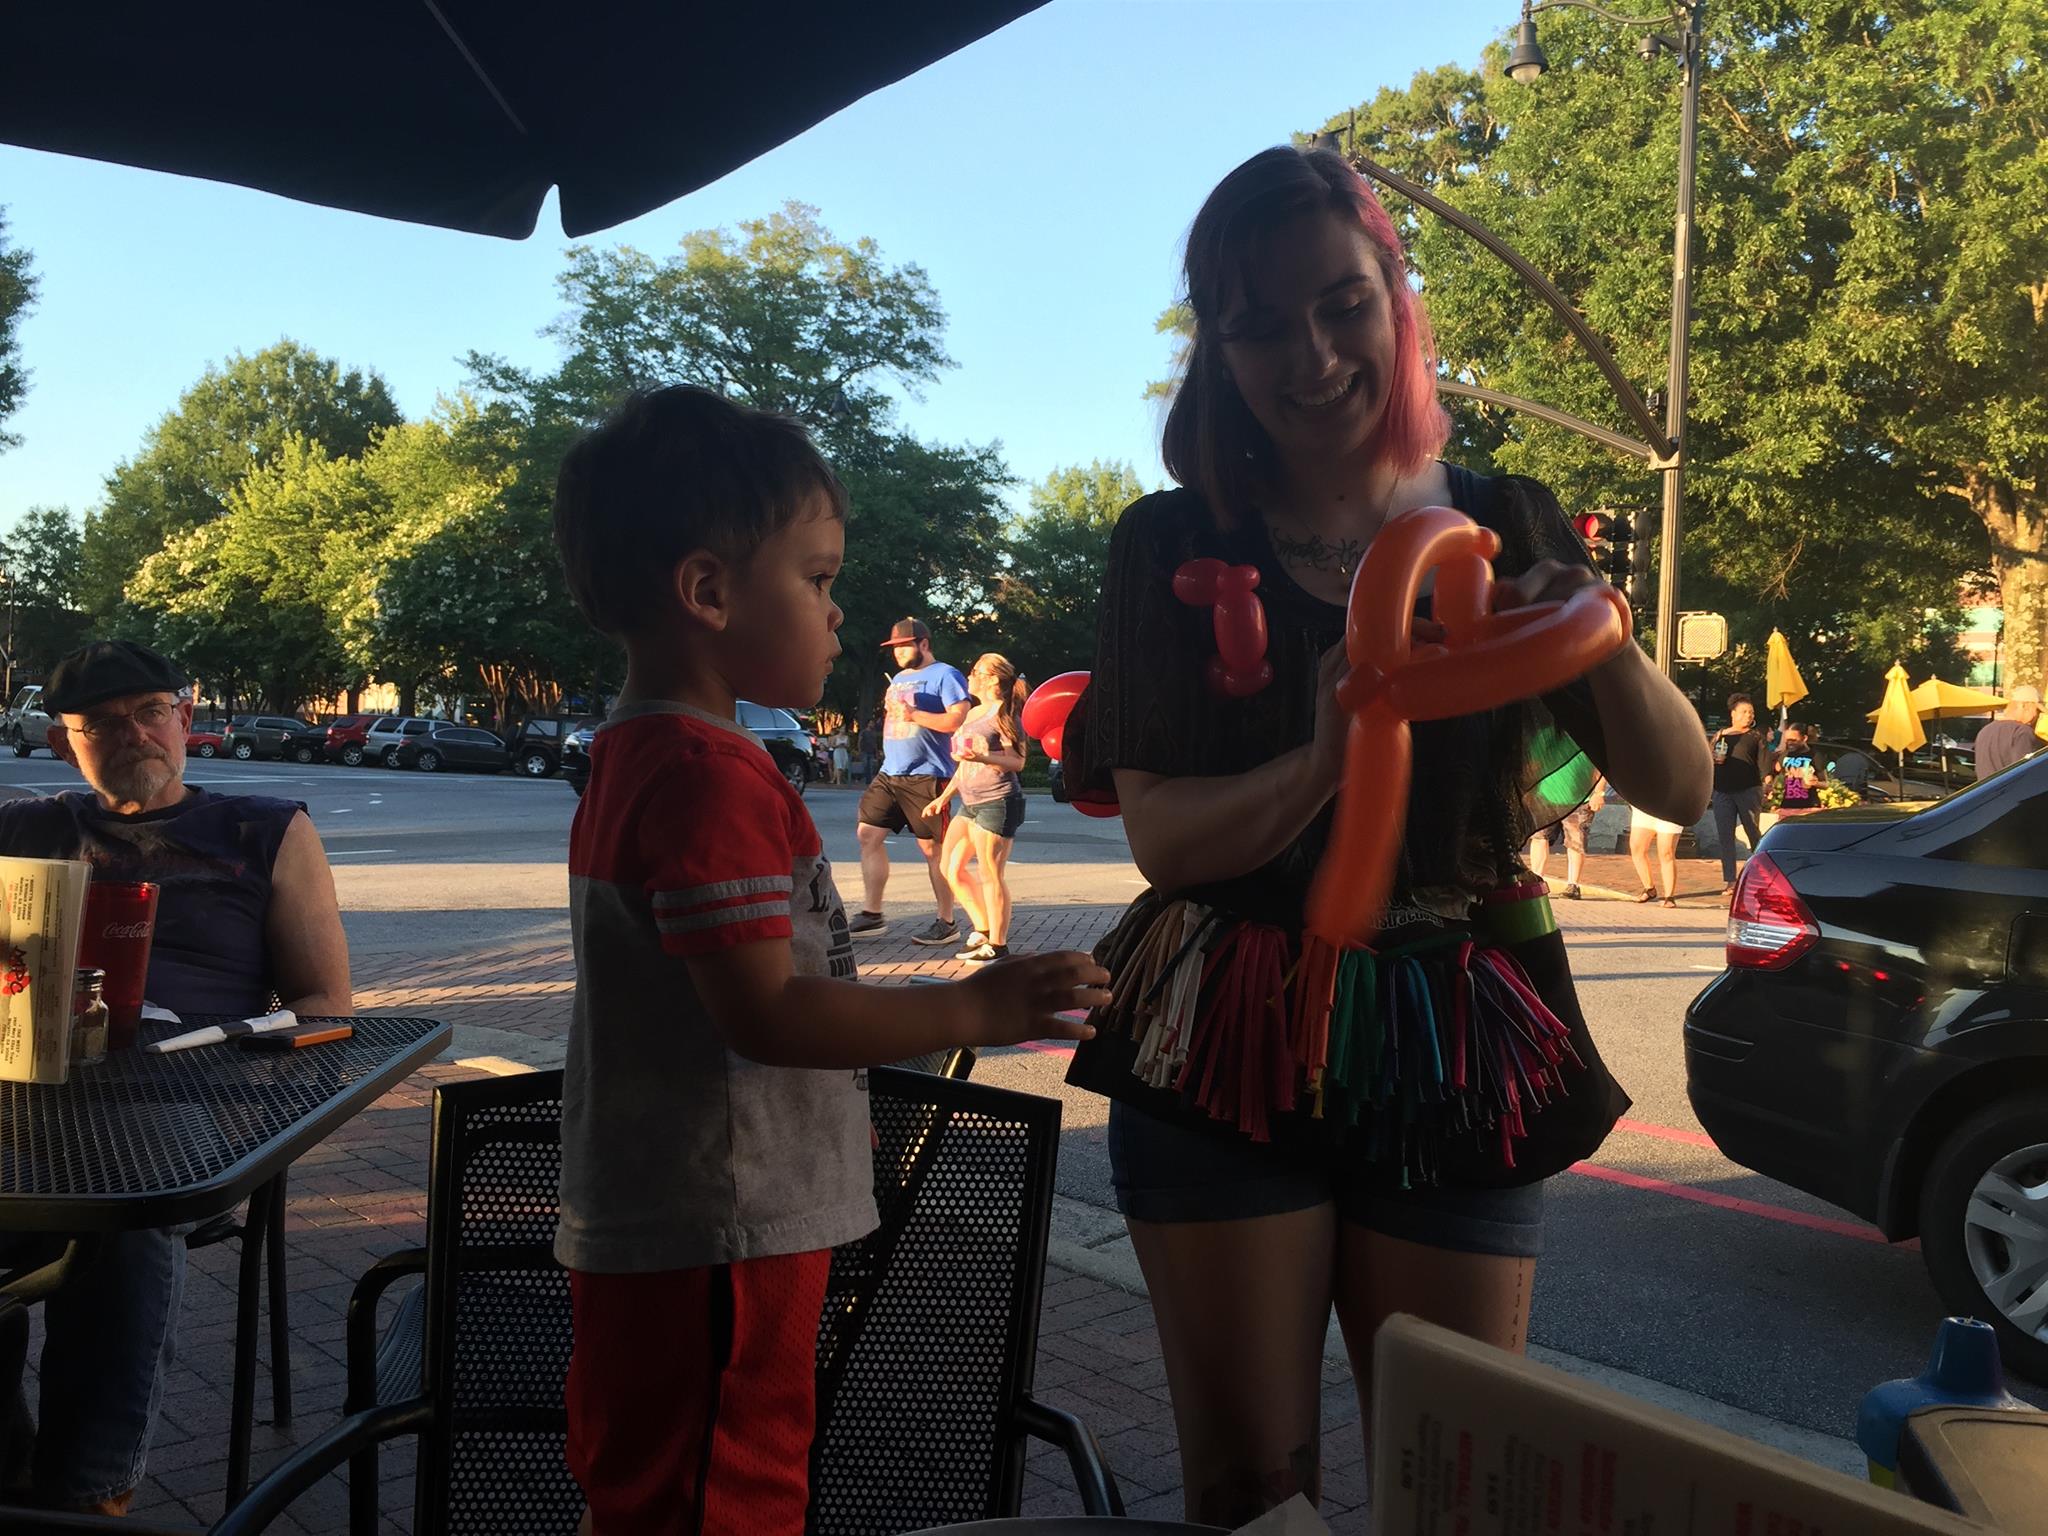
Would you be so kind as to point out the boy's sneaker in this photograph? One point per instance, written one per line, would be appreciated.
(868, 925)
(975, 940)
(936, 932)
(987, 953)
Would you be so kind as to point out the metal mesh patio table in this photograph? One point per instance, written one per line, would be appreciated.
(147, 1140)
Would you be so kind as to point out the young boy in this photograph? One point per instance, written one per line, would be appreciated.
(715, 1136)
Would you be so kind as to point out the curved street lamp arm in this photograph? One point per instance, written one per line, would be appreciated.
(1620, 442)
(1673, 15)
(1625, 392)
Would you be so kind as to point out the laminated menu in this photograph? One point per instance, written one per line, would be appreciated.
(1471, 1441)
(42, 913)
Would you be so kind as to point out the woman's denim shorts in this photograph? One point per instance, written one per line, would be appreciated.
(1164, 1173)
(1002, 817)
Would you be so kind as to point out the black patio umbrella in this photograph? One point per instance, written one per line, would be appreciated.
(460, 113)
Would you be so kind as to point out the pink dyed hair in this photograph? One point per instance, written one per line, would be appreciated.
(1211, 443)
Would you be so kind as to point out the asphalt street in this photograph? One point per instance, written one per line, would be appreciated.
(1663, 1259)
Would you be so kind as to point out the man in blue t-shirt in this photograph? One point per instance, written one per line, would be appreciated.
(927, 701)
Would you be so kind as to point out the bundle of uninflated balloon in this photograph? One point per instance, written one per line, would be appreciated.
(1408, 1044)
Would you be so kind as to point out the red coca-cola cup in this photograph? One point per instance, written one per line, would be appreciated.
(120, 920)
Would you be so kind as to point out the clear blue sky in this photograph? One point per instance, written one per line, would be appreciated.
(1044, 177)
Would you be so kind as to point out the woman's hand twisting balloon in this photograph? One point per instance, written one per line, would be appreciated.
(1547, 581)
(1333, 725)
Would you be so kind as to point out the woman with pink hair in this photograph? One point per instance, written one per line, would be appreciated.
(1400, 1168)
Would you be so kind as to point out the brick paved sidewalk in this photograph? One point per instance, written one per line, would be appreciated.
(361, 1194)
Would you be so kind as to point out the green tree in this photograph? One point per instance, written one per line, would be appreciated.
(452, 578)
(238, 598)
(237, 419)
(1046, 599)
(1870, 410)
(785, 317)
(17, 296)
(39, 562)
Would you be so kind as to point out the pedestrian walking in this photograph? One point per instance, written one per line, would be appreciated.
(989, 750)
(1742, 761)
(840, 758)
(1572, 829)
(1652, 835)
(926, 703)
(1799, 780)
(2011, 736)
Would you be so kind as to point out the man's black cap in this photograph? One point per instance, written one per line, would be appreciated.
(108, 669)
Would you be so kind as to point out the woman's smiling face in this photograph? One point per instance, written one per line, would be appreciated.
(1310, 340)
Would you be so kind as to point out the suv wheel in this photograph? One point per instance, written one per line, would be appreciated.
(352, 755)
(208, 749)
(1984, 1226)
(390, 758)
(22, 749)
(244, 750)
(429, 761)
(793, 770)
(536, 765)
(302, 754)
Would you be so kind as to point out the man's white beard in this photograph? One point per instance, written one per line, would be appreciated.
(138, 779)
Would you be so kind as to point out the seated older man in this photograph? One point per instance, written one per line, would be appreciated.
(246, 910)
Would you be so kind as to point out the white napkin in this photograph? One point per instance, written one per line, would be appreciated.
(1297, 1517)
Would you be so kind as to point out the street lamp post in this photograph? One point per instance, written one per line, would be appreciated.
(1663, 450)
(1526, 64)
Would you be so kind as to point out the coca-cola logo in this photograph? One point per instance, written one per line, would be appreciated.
(125, 931)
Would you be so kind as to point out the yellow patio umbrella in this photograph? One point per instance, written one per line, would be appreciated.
(1783, 686)
(1937, 700)
(1898, 727)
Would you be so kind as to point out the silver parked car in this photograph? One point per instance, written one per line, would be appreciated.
(26, 725)
(384, 737)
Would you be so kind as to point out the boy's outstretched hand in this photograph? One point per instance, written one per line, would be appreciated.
(1022, 999)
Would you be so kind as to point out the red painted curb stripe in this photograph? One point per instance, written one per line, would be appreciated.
(1667, 1133)
(1828, 1224)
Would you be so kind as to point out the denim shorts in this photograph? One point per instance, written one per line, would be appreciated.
(1164, 1173)
(1002, 817)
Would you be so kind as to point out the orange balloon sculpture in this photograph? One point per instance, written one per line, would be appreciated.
(1486, 659)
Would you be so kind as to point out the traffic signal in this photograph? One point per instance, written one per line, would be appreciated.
(1621, 539)
(1593, 529)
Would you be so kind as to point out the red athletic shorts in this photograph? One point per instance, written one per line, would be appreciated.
(692, 1397)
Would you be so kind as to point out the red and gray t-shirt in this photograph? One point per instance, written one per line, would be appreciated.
(676, 1151)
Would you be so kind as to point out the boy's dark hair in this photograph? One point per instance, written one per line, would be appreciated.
(672, 471)
(1739, 698)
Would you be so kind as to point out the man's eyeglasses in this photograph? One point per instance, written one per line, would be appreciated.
(151, 717)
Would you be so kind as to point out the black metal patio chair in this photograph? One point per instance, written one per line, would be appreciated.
(929, 1339)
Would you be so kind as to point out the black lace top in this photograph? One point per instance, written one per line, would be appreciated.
(1475, 796)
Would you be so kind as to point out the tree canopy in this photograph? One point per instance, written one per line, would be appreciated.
(234, 422)
(17, 295)
(1869, 414)
(782, 315)
(1045, 601)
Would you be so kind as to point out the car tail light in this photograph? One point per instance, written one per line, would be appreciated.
(1768, 925)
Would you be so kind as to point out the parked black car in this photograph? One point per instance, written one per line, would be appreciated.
(444, 744)
(575, 761)
(537, 744)
(250, 736)
(1880, 1037)
(777, 729)
(786, 740)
